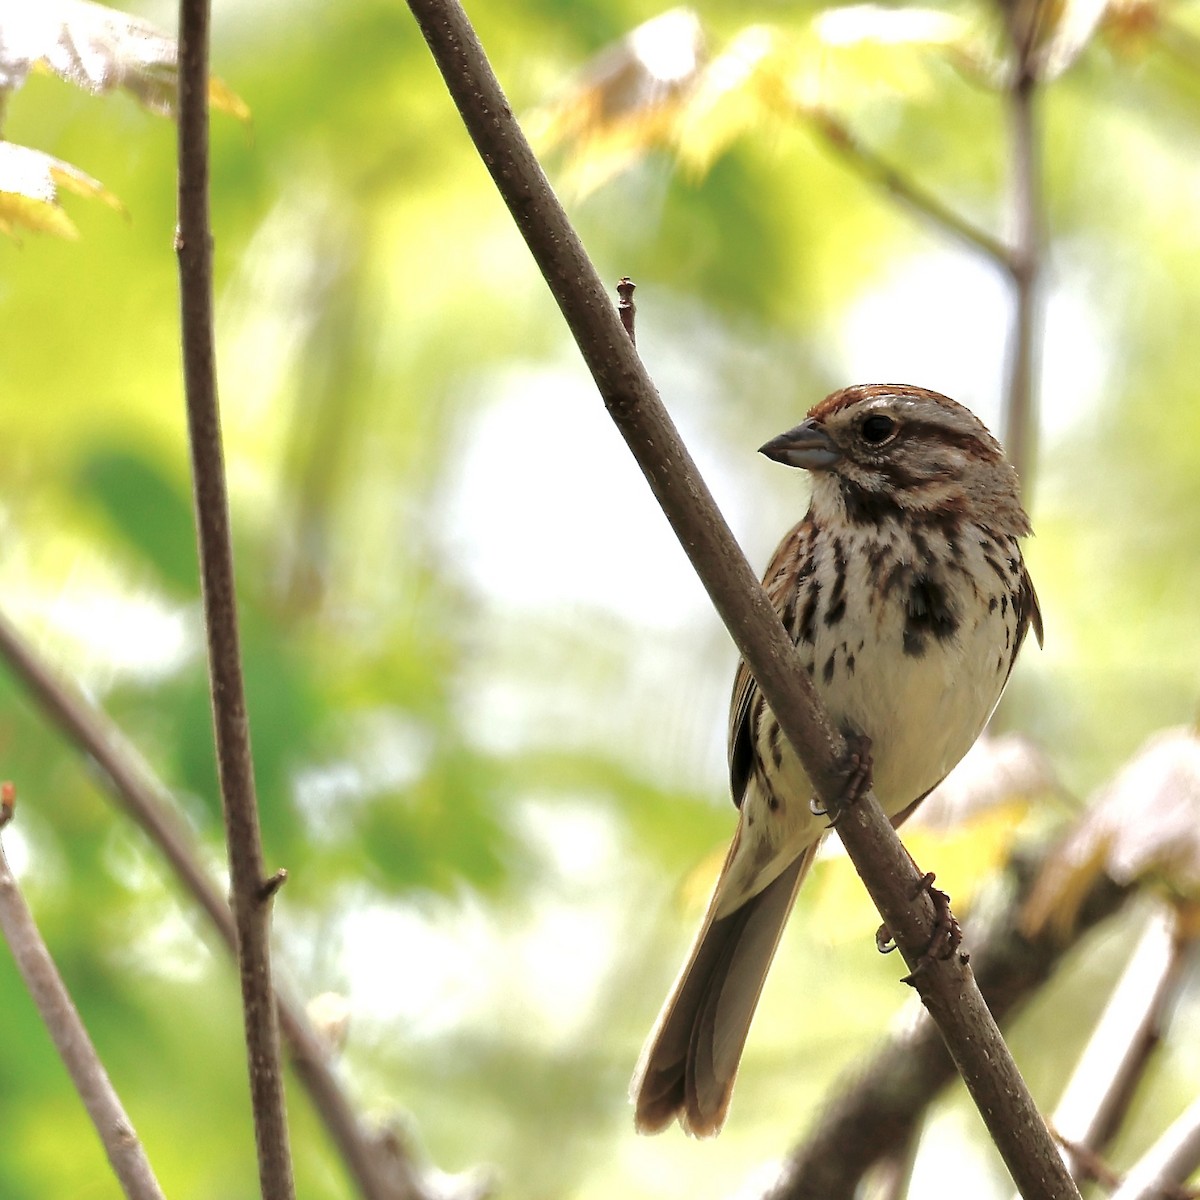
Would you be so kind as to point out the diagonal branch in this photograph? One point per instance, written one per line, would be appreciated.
(1101, 1091)
(876, 170)
(380, 1165)
(1165, 1167)
(75, 1048)
(251, 889)
(947, 987)
(877, 1107)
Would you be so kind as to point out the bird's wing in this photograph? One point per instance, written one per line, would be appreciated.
(779, 580)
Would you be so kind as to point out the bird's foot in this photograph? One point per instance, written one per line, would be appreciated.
(855, 769)
(947, 933)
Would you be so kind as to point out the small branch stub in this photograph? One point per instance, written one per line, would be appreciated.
(272, 884)
(626, 307)
(8, 801)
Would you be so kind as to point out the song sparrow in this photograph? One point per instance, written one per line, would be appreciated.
(906, 594)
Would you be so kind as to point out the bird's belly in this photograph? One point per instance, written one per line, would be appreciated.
(922, 711)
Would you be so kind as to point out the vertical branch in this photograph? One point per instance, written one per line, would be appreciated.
(251, 890)
(1026, 252)
(62, 1021)
(875, 170)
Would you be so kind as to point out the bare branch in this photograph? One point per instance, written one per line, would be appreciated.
(235, 768)
(128, 776)
(878, 1105)
(1024, 262)
(1086, 1165)
(946, 986)
(1168, 1163)
(869, 165)
(59, 1015)
(379, 1164)
(1094, 1105)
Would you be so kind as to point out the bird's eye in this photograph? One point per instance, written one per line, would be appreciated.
(877, 429)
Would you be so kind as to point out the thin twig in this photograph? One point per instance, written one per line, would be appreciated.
(235, 768)
(1098, 1097)
(129, 778)
(379, 1165)
(1164, 1168)
(61, 1018)
(875, 1109)
(1086, 1165)
(877, 171)
(947, 987)
(1024, 262)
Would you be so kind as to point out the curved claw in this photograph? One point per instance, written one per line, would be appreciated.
(947, 933)
(855, 769)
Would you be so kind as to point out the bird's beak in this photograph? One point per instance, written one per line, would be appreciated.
(807, 446)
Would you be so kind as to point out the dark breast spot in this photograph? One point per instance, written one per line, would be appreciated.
(895, 576)
(789, 609)
(864, 507)
(928, 611)
(996, 566)
(808, 613)
(876, 556)
(837, 594)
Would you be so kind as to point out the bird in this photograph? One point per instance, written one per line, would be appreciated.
(906, 593)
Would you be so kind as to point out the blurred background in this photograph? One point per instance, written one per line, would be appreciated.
(488, 698)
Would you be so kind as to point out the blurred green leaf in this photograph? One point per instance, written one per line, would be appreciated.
(146, 509)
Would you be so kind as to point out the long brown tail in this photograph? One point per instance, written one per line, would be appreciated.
(691, 1058)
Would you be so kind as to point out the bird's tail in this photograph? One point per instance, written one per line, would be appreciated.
(691, 1057)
